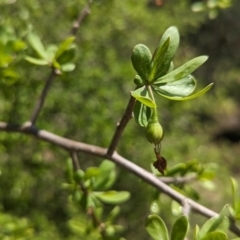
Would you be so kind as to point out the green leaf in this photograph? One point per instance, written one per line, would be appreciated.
(112, 197)
(141, 60)
(142, 113)
(180, 228)
(106, 176)
(181, 88)
(196, 232)
(177, 98)
(91, 172)
(176, 169)
(68, 67)
(173, 36)
(37, 45)
(37, 61)
(234, 195)
(141, 94)
(158, 60)
(64, 46)
(215, 236)
(182, 71)
(213, 224)
(156, 228)
(113, 214)
(67, 56)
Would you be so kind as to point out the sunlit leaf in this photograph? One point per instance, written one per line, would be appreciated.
(234, 191)
(113, 197)
(68, 67)
(195, 95)
(182, 71)
(37, 61)
(173, 36)
(64, 46)
(156, 228)
(91, 172)
(196, 232)
(215, 236)
(212, 225)
(141, 60)
(158, 60)
(142, 113)
(141, 94)
(37, 45)
(180, 228)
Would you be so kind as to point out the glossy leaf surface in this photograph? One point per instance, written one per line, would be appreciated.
(192, 96)
(180, 88)
(182, 71)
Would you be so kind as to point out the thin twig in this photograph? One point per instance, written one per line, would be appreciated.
(120, 127)
(53, 74)
(82, 15)
(71, 145)
(75, 160)
(42, 97)
(178, 180)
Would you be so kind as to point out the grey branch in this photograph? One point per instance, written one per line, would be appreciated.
(71, 145)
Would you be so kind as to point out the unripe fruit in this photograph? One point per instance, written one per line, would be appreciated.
(154, 131)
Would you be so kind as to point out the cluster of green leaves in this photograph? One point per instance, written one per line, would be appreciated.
(59, 57)
(14, 228)
(155, 73)
(194, 174)
(90, 191)
(214, 228)
(11, 51)
(212, 6)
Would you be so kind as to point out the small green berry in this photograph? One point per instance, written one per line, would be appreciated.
(154, 131)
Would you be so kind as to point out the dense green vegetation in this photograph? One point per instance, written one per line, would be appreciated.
(86, 103)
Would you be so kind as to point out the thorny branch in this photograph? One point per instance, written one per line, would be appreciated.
(71, 145)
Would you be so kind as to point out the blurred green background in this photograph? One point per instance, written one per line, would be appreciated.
(86, 104)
